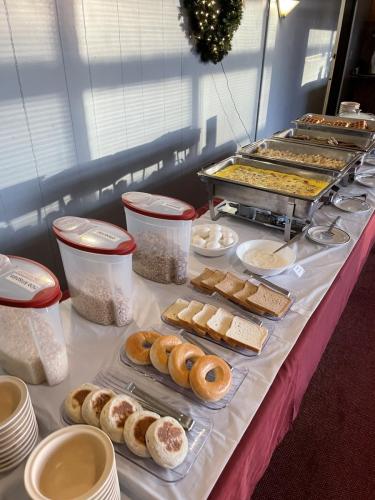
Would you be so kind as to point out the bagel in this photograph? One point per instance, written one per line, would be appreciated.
(138, 345)
(177, 362)
(160, 350)
(135, 431)
(210, 390)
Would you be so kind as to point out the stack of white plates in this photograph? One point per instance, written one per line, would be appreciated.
(76, 462)
(18, 425)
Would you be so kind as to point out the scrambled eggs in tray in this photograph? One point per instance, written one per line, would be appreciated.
(272, 180)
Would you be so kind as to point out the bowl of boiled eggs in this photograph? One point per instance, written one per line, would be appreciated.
(212, 240)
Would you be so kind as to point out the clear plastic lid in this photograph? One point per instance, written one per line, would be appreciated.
(90, 235)
(155, 205)
(25, 283)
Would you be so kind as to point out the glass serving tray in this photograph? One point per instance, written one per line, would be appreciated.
(238, 376)
(238, 306)
(218, 301)
(197, 437)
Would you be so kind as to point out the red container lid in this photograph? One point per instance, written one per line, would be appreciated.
(26, 283)
(94, 236)
(160, 207)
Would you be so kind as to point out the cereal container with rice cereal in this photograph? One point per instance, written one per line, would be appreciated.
(32, 344)
(97, 258)
(161, 227)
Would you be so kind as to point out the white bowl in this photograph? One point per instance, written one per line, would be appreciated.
(267, 246)
(214, 252)
(14, 396)
(79, 459)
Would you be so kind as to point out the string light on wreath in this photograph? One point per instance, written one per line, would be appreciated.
(212, 24)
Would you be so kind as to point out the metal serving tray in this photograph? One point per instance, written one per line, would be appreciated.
(326, 139)
(275, 201)
(370, 132)
(349, 158)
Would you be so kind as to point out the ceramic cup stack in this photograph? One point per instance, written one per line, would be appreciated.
(349, 107)
(18, 425)
(77, 462)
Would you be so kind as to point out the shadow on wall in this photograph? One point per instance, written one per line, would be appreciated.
(166, 166)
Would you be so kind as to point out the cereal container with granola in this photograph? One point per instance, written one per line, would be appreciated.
(97, 258)
(32, 344)
(161, 227)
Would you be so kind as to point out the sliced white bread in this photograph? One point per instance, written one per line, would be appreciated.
(269, 301)
(170, 315)
(205, 274)
(230, 285)
(219, 324)
(210, 282)
(246, 334)
(186, 315)
(245, 292)
(201, 318)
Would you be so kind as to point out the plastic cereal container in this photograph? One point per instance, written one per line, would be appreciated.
(161, 227)
(32, 345)
(97, 258)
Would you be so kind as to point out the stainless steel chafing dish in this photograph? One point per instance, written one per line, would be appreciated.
(281, 210)
(369, 132)
(327, 139)
(348, 157)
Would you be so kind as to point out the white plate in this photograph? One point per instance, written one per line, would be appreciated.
(318, 234)
(351, 204)
(366, 179)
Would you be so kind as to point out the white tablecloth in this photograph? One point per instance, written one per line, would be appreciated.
(92, 347)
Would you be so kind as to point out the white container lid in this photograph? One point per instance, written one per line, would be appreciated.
(155, 205)
(26, 283)
(94, 236)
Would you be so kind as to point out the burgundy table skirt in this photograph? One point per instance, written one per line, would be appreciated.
(281, 405)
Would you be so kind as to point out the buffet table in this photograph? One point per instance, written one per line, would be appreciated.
(245, 433)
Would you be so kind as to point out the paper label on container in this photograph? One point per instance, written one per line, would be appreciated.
(101, 234)
(25, 280)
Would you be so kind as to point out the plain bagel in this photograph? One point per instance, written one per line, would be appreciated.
(210, 390)
(161, 349)
(138, 345)
(177, 362)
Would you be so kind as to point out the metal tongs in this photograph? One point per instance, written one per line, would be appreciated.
(148, 402)
(329, 233)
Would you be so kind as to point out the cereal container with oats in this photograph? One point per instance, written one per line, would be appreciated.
(161, 227)
(32, 345)
(97, 258)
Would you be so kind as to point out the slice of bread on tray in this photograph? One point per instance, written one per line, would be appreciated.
(245, 292)
(204, 275)
(201, 318)
(229, 285)
(244, 333)
(170, 315)
(186, 315)
(269, 301)
(219, 323)
(209, 283)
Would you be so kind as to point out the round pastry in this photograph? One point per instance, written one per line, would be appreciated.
(94, 404)
(177, 362)
(114, 415)
(138, 345)
(167, 442)
(135, 429)
(214, 388)
(74, 401)
(160, 350)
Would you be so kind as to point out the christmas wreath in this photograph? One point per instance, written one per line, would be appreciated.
(212, 24)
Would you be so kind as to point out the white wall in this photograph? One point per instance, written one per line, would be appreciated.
(102, 96)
